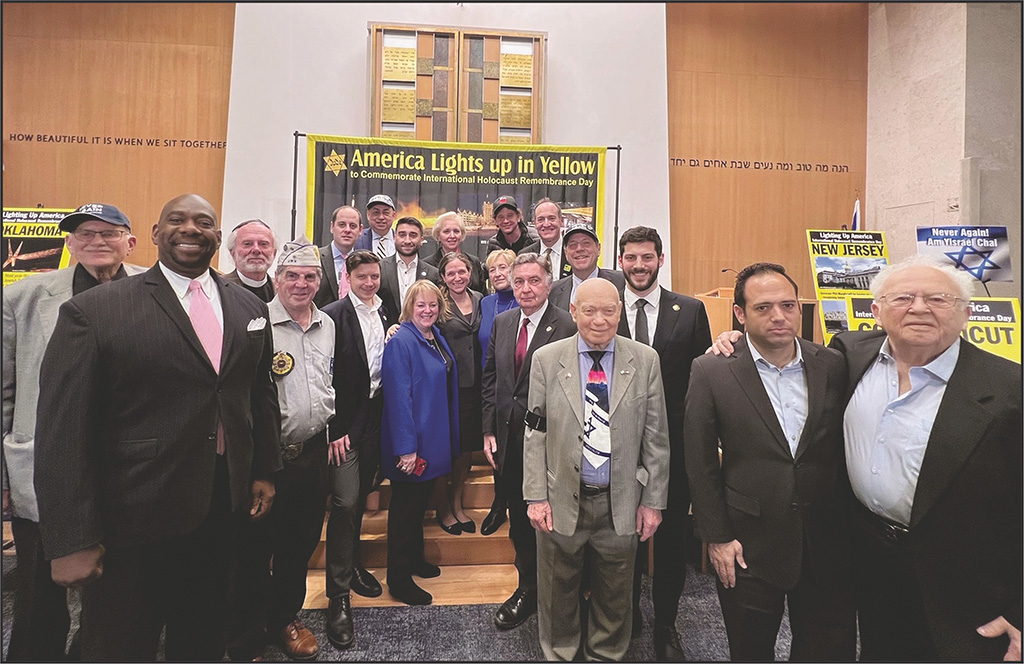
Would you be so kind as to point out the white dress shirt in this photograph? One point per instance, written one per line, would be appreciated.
(629, 299)
(534, 318)
(179, 284)
(406, 276)
(373, 337)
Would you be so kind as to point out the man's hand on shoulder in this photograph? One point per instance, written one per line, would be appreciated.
(78, 568)
(647, 521)
(262, 499)
(1001, 626)
(540, 516)
(724, 343)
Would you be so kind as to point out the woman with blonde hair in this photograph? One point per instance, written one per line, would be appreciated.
(449, 231)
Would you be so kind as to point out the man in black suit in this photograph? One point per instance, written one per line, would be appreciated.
(582, 249)
(360, 322)
(345, 225)
(677, 327)
(763, 442)
(933, 446)
(548, 222)
(405, 267)
(252, 245)
(517, 334)
(159, 422)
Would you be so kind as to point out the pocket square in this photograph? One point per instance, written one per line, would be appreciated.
(256, 324)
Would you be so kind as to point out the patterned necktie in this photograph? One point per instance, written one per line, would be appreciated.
(208, 329)
(597, 447)
(343, 286)
(382, 249)
(641, 323)
(521, 347)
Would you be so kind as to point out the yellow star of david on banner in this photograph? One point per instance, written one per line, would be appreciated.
(335, 163)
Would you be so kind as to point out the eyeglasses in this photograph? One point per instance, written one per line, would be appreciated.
(931, 300)
(86, 235)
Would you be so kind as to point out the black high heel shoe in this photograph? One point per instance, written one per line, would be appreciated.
(454, 529)
(467, 526)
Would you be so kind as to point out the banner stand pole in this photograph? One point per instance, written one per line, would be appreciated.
(295, 176)
(618, 166)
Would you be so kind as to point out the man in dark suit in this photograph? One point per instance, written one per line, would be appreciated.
(360, 322)
(677, 327)
(402, 270)
(159, 422)
(769, 504)
(582, 249)
(345, 225)
(937, 536)
(548, 222)
(252, 245)
(517, 334)
(379, 237)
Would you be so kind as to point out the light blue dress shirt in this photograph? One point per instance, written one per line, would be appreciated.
(787, 390)
(887, 433)
(589, 474)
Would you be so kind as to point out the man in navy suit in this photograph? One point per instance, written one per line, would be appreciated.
(677, 327)
(379, 237)
(160, 423)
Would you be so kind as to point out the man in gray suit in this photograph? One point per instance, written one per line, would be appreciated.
(582, 250)
(596, 460)
(99, 237)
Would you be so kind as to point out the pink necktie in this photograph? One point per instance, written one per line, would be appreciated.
(343, 286)
(204, 322)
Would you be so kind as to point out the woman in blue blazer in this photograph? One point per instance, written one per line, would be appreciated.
(419, 432)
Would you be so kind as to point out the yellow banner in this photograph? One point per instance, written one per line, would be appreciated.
(32, 242)
(844, 263)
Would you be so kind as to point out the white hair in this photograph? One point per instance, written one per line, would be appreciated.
(962, 281)
(233, 235)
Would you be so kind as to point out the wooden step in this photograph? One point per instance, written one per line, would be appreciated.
(478, 493)
(439, 547)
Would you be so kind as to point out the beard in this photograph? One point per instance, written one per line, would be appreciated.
(641, 280)
(254, 264)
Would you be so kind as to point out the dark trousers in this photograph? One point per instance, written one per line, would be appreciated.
(41, 619)
(405, 528)
(178, 583)
(350, 484)
(520, 531)
(671, 542)
(822, 619)
(283, 542)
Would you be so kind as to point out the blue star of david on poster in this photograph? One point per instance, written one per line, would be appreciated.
(978, 270)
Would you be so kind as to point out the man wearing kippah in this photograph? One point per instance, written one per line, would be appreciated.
(99, 237)
(252, 245)
(303, 358)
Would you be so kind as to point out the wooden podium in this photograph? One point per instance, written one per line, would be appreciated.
(718, 303)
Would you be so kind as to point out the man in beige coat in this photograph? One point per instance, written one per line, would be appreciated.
(596, 458)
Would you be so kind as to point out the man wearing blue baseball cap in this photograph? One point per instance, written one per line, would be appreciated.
(99, 237)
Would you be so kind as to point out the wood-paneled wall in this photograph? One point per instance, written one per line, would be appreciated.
(751, 85)
(115, 71)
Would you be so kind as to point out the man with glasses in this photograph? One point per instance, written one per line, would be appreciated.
(933, 448)
(379, 237)
(252, 245)
(99, 238)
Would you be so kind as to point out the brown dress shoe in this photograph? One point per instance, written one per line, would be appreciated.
(298, 642)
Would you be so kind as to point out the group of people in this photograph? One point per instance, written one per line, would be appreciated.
(171, 441)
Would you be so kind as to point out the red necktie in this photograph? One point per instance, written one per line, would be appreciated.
(204, 322)
(521, 347)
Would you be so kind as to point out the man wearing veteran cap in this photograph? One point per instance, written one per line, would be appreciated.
(99, 238)
(583, 250)
(513, 233)
(161, 424)
(303, 358)
(379, 237)
(252, 245)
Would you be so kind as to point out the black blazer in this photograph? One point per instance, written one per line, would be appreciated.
(463, 336)
(761, 494)
(557, 271)
(966, 522)
(389, 291)
(505, 395)
(126, 445)
(328, 280)
(351, 369)
(683, 334)
(561, 290)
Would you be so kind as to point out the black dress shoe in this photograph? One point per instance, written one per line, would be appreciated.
(666, 644)
(468, 526)
(340, 630)
(493, 521)
(425, 570)
(516, 609)
(409, 593)
(365, 584)
(454, 529)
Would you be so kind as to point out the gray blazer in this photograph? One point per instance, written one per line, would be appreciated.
(30, 314)
(639, 434)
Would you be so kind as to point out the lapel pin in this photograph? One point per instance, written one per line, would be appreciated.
(623, 372)
(547, 329)
(675, 307)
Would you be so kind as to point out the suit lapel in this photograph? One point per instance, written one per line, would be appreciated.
(351, 322)
(168, 301)
(327, 263)
(235, 324)
(568, 377)
(668, 318)
(957, 429)
(859, 357)
(543, 335)
(623, 370)
(58, 291)
(814, 370)
(750, 382)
